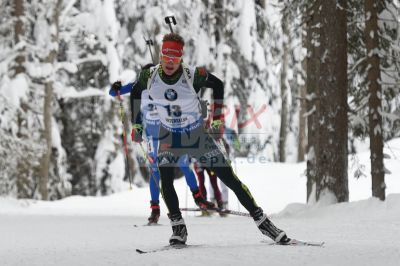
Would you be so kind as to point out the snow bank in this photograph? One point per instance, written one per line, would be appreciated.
(371, 208)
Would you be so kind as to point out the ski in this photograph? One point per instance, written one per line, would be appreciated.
(295, 242)
(219, 210)
(165, 248)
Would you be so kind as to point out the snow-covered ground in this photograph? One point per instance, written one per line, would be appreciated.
(102, 231)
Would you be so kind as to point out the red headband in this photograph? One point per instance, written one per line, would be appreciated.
(172, 48)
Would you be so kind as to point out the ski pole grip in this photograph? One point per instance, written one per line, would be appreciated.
(149, 42)
(170, 20)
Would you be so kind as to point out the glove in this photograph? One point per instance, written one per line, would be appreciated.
(217, 128)
(116, 86)
(136, 133)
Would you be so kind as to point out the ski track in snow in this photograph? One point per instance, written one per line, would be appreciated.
(370, 239)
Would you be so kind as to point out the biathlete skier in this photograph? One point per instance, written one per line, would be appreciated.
(173, 89)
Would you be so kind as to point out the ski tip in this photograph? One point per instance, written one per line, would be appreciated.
(295, 242)
(164, 248)
(140, 251)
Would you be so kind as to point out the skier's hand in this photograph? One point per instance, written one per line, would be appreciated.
(216, 129)
(217, 125)
(136, 133)
(116, 86)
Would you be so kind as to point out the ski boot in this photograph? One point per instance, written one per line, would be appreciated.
(268, 228)
(155, 213)
(204, 213)
(201, 201)
(222, 205)
(179, 231)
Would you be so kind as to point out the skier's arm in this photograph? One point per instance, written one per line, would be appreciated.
(136, 96)
(136, 119)
(116, 86)
(123, 90)
(204, 79)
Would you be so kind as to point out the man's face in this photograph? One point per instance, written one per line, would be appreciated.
(170, 64)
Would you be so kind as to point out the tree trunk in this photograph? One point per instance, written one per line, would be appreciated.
(375, 96)
(48, 99)
(332, 153)
(284, 88)
(312, 72)
(18, 13)
(45, 165)
(302, 141)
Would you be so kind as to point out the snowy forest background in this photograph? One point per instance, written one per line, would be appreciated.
(323, 75)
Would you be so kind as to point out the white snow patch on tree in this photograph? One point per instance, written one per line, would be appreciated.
(15, 90)
(326, 197)
(246, 26)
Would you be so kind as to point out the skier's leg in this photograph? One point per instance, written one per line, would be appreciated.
(179, 231)
(167, 163)
(214, 184)
(226, 174)
(200, 176)
(167, 188)
(154, 178)
(155, 193)
(224, 194)
(192, 183)
(154, 189)
(184, 165)
(152, 146)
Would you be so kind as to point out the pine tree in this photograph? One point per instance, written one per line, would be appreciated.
(381, 63)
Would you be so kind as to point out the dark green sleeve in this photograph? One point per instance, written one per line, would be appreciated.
(204, 79)
(200, 78)
(144, 76)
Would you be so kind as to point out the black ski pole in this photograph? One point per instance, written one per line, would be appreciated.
(149, 43)
(170, 20)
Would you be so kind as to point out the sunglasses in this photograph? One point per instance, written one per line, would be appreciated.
(173, 59)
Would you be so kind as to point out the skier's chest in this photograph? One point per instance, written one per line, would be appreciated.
(163, 93)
